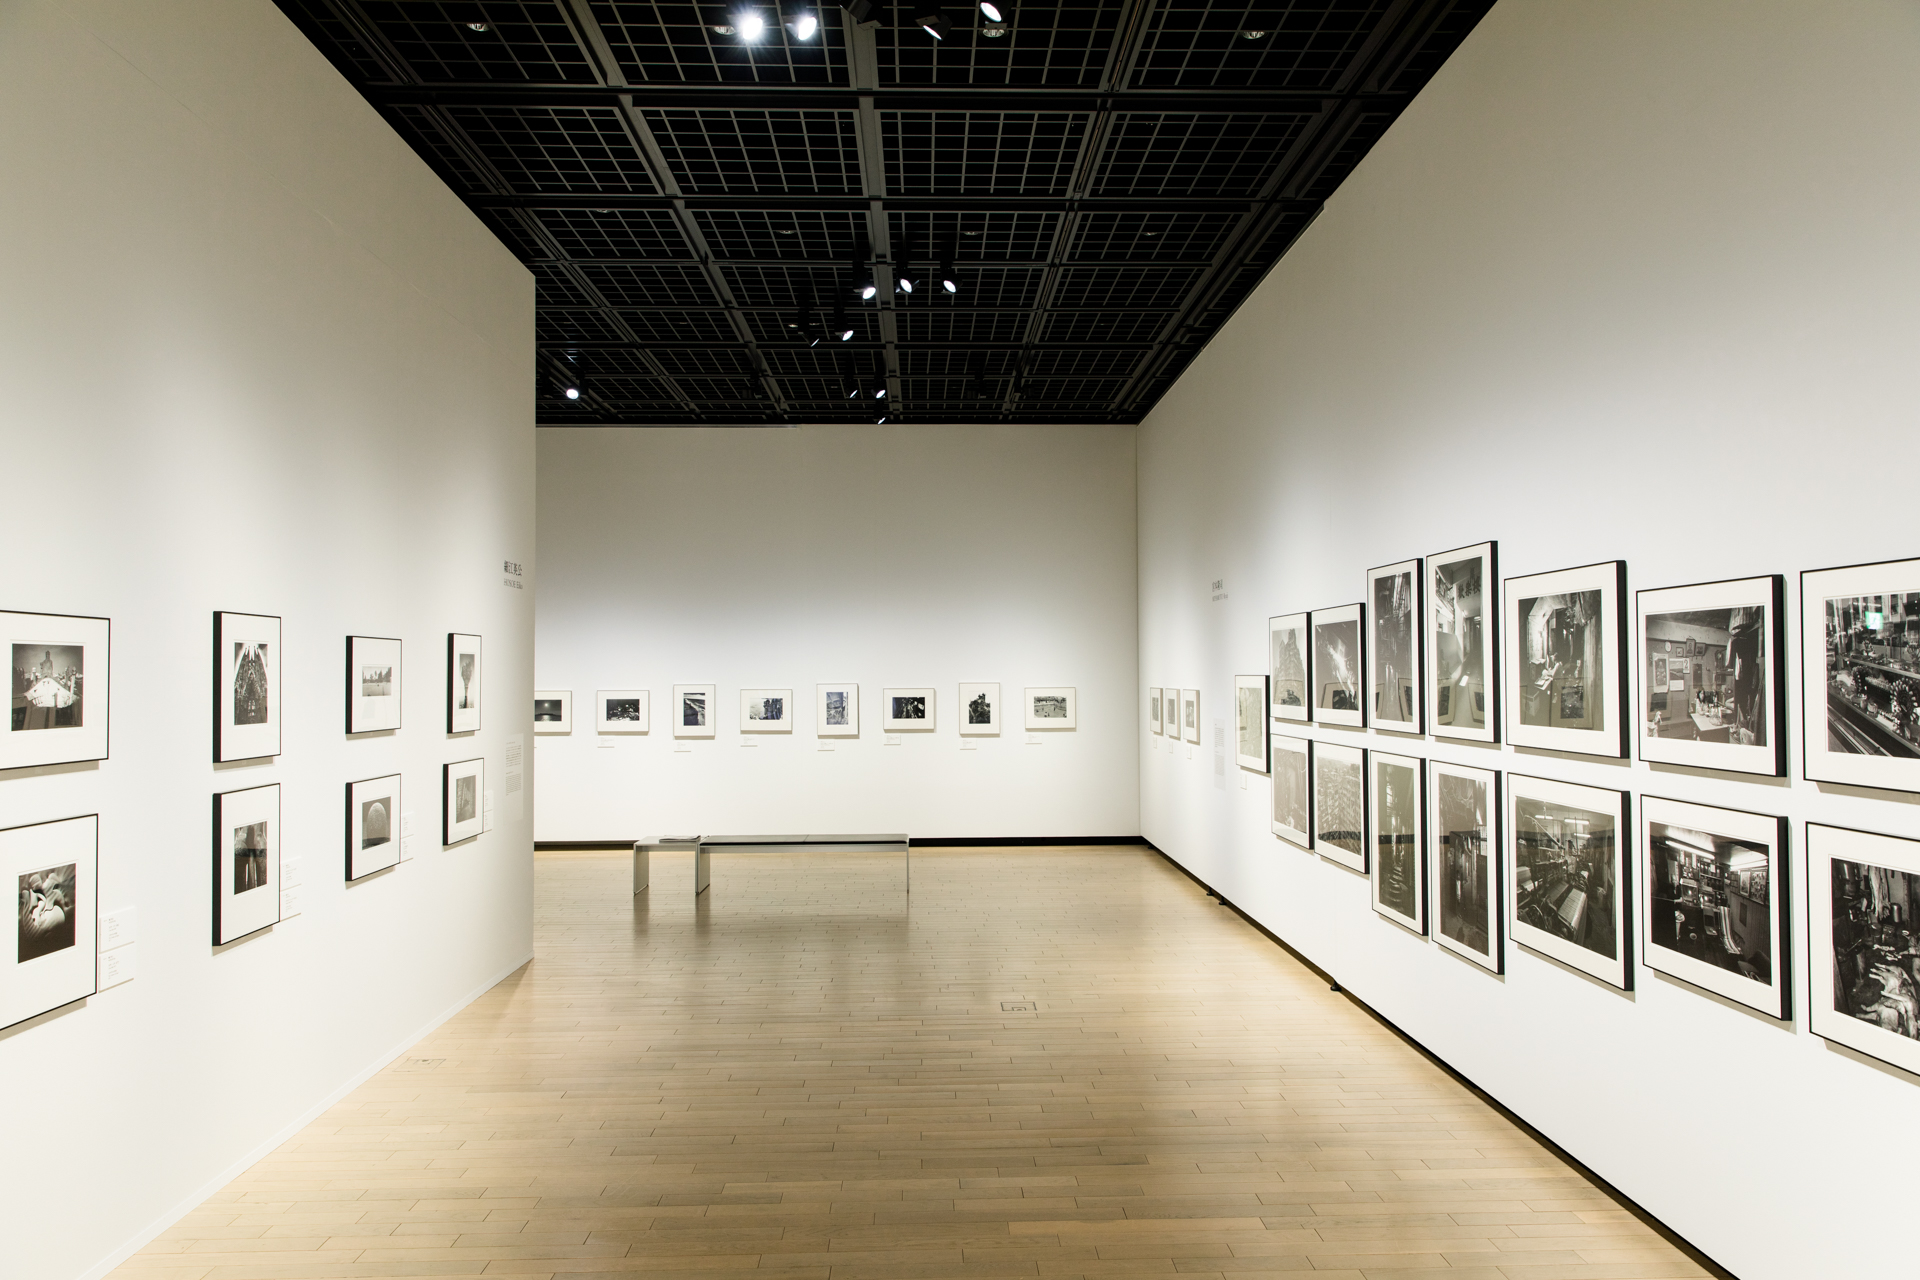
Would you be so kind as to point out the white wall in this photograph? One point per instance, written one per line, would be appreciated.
(1628, 280)
(890, 555)
(253, 356)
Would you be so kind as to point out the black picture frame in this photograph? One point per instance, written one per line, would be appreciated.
(248, 663)
(1340, 801)
(1339, 665)
(1469, 871)
(1700, 866)
(1562, 686)
(1719, 735)
(1855, 691)
(1552, 857)
(1396, 628)
(247, 864)
(1461, 638)
(55, 961)
(75, 668)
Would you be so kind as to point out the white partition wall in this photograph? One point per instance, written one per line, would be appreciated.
(253, 357)
(1628, 281)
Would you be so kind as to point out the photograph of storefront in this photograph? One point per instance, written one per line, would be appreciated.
(1873, 674)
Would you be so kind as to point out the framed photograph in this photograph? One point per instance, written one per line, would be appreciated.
(837, 710)
(462, 800)
(694, 708)
(373, 684)
(60, 687)
(246, 862)
(1155, 720)
(1340, 804)
(463, 683)
(1053, 707)
(1715, 901)
(56, 868)
(980, 710)
(1397, 819)
(1288, 652)
(1566, 689)
(1293, 789)
(1250, 722)
(766, 711)
(906, 710)
(1734, 715)
(1190, 714)
(553, 711)
(246, 686)
(1862, 892)
(1462, 609)
(623, 711)
(1395, 699)
(373, 826)
(1567, 846)
(1464, 804)
(1860, 676)
(1339, 658)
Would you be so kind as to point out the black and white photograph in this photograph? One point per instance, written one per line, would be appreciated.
(1052, 707)
(56, 868)
(246, 686)
(462, 800)
(1464, 804)
(1462, 692)
(1339, 665)
(463, 683)
(1712, 667)
(1715, 901)
(246, 862)
(1287, 653)
(1398, 824)
(1395, 698)
(1569, 883)
(1293, 789)
(1863, 924)
(1860, 683)
(1190, 715)
(623, 711)
(1250, 722)
(907, 710)
(373, 826)
(766, 711)
(58, 714)
(1340, 804)
(979, 710)
(553, 711)
(1566, 688)
(837, 710)
(1155, 719)
(694, 710)
(373, 684)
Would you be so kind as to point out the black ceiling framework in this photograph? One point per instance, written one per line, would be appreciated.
(1115, 177)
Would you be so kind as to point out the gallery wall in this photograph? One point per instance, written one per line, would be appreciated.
(887, 555)
(1628, 281)
(254, 356)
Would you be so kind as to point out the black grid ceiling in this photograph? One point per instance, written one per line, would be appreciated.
(1115, 176)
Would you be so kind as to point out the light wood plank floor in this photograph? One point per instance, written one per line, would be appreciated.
(1055, 1063)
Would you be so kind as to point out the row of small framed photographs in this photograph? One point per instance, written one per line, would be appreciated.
(1436, 647)
(692, 711)
(1471, 859)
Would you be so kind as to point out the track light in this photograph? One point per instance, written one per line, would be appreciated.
(994, 30)
(933, 22)
(478, 26)
(804, 25)
(750, 25)
(859, 10)
(1252, 33)
(949, 278)
(864, 287)
(573, 393)
(991, 12)
(880, 390)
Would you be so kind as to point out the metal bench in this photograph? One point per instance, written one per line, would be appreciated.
(703, 848)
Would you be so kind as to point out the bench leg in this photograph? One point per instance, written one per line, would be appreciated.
(642, 871)
(702, 870)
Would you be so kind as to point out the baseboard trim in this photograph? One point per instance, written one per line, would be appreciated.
(198, 1197)
(919, 842)
(576, 846)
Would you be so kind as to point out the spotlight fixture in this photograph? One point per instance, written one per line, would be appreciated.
(994, 30)
(478, 26)
(750, 25)
(903, 281)
(949, 278)
(804, 25)
(864, 287)
(573, 393)
(990, 11)
(1250, 33)
(722, 29)
(880, 390)
(880, 421)
(933, 22)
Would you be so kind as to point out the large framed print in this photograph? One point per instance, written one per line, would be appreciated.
(1567, 848)
(1714, 904)
(1293, 789)
(1462, 613)
(980, 710)
(1862, 893)
(1465, 886)
(1289, 652)
(837, 710)
(1250, 722)
(553, 711)
(1155, 719)
(463, 683)
(623, 711)
(766, 711)
(694, 707)
(1860, 677)
(1190, 715)
(1052, 707)
(1564, 634)
(462, 800)
(1340, 804)
(1713, 675)
(373, 826)
(246, 862)
(1395, 700)
(246, 686)
(906, 710)
(56, 869)
(1397, 820)
(373, 684)
(1339, 659)
(60, 689)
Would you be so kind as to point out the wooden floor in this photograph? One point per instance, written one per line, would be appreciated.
(1055, 1063)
